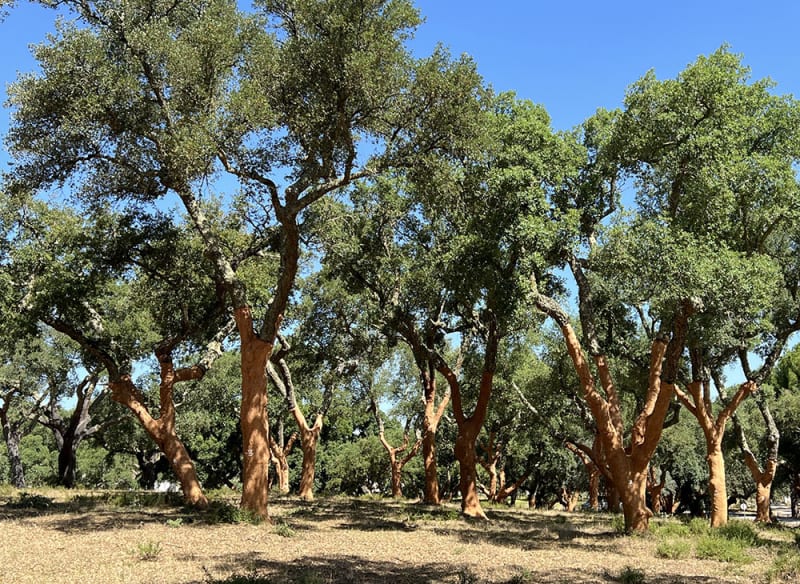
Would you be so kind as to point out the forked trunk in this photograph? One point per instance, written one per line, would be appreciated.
(431, 418)
(492, 470)
(253, 420)
(717, 491)
(280, 458)
(397, 490)
(308, 442)
(309, 437)
(162, 432)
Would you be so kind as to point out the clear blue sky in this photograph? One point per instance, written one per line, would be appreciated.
(570, 56)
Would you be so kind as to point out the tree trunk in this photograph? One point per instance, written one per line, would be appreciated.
(67, 462)
(12, 439)
(431, 490)
(309, 437)
(795, 495)
(764, 493)
(253, 417)
(594, 488)
(308, 442)
(717, 491)
(162, 430)
(510, 490)
(468, 475)
(280, 457)
(634, 502)
(432, 417)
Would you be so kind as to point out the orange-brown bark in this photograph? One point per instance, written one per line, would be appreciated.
(162, 429)
(568, 499)
(280, 458)
(698, 402)
(253, 416)
(492, 454)
(625, 466)
(592, 471)
(432, 416)
(763, 479)
(396, 464)
(505, 491)
(655, 489)
(309, 438)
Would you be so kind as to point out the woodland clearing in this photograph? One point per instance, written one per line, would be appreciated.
(109, 537)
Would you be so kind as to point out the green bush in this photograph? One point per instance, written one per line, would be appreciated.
(670, 529)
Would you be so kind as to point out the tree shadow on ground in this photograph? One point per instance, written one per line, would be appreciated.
(344, 569)
(339, 569)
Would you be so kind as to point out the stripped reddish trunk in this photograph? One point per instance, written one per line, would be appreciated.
(253, 416)
(396, 464)
(162, 430)
(764, 491)
(280, 457)
(489, 463)
(655, 489)
(626, 460)
(505, 490)
(432, 416)
(309, 438)
(698, 402)
(467, 461)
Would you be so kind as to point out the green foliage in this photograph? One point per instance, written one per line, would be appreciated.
(740, 531)
(618, 524)
(225, 512)
(785, 568)
(283, 529)
(713, 547)
(630, 575)
(674, 549)
(148, 551)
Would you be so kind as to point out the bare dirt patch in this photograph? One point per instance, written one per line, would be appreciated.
(90, 539)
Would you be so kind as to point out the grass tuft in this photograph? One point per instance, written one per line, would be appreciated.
(631, 575)
(674, 549)
(712, 547)
(149, 551)
(785, 568)
(741, 531)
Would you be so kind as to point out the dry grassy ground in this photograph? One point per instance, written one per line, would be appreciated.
(92, 539)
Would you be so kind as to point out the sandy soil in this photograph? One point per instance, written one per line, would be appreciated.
(334, 541)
